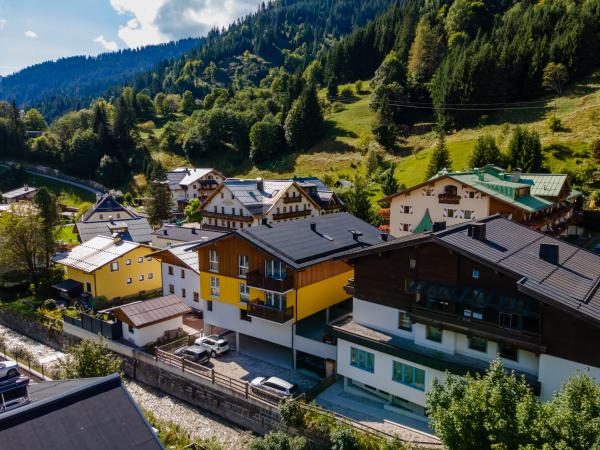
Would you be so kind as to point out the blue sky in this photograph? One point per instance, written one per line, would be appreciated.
(32, 31)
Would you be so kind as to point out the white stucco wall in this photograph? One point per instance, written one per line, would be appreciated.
(191, 284)
(381, 378)
(227, 316)
(316, 348)
(421, 202)
(146, 335)
(555, 371)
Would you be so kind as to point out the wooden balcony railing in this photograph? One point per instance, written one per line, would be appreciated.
(449, 199)
(297, 199)
(292, 214)
(257, 308)
(256, 279)
(349, 286)
(223, 216)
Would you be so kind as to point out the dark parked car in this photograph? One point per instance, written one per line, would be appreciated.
(196, 353)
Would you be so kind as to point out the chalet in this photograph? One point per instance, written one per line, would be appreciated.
(110, 267)
(108, 217)
(279, 285)
(543, 202)
(147, 321)
(239, 203)
(188, 183)
(25, 193)
(457, 298)
(170, 234)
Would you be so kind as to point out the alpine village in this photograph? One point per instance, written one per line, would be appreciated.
(300, 225)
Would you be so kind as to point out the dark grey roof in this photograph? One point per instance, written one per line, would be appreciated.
(85, 414)
(24, 190)
(185, 234)
(138, 230)
(108, 204)
(296, 244)
(324, 196)
(574, 283)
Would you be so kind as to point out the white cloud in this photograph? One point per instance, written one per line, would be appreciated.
(111, 46)
(2, 23)
(31, 34)
(156, 21)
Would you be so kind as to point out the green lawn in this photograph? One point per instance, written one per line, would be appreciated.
(68, 235)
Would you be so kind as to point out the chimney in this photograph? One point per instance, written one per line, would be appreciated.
(516, 175)
(438, 226)
(355, 234)
(116, 237)
(477, 231)
(384, 237)
(260, 184)
(549, 253)
(313, 226)
(26, 187)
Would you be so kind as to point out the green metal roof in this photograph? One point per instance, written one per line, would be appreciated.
(426, 224)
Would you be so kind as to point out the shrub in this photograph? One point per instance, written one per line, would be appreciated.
(337, 107)
(347, 92)
(343, 438)
(291, 413)
(595, 148)
(21, 352)
(279, 441)
(554, 123)
(49, 304)
(100, 302)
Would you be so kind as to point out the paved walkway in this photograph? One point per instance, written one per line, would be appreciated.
(371, 413)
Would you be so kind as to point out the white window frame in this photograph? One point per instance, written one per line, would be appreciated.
(215, 287)
(243, 265)
(244, 293)
(213, 260)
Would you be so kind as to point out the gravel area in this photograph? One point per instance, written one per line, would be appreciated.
(200, 424)
(42, 353)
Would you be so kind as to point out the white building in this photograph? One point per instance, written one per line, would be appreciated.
(188, 183)
(169, 235)
(240, 203)
(145, 322)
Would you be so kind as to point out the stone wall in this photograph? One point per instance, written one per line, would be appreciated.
(34, 330)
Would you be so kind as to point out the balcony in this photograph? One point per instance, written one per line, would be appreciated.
(223, 216)
(292, 214)
(257, 308)
(349, 286)
(449, 199)
(257, 280)
(288, 199)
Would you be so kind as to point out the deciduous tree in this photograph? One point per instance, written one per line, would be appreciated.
(89, 359)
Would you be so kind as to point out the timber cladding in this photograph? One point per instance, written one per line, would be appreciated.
(498, 207)
(231, 248)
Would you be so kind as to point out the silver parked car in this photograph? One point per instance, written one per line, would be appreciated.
(217, 345)
(275, 386)
(196, 353)
(8, 369)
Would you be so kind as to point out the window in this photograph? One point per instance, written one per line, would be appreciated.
(129, 281)
(408, 375)
(404, 322)
(450, 213)
(471, 194)
(450, 190)
(362, 359)
(182, 292)
(243, 263)
(171, 289)
(475, 273)
(141, 278)
(182, 273)
(429, 192)
(150, 276)
(406, 209)
(434, 333)
(127, 262)
(149, 258)
(274, 269)
(214, 287)
(478, 344)
(209, 305)
(468, 214)
(412, 263)
(276, 300)
(88, 287)
(130, 329)
(508, 351)
(170, 270)
(244, 293)
(101, 216)
(140, 259)
(114, 266)
(196, 297)
(505, 319)
(213, 260)
(405, 227)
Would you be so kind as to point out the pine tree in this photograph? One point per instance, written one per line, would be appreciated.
(304, 124)
(161, 202)
(485, 152)
(525, 150)
(358, 202)
(440, 158)
(49, 212)
(389, 183)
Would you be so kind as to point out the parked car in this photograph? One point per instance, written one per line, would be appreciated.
(196, 353)
(8, 369)
(217, 345)
(596, 249)
(275, 386)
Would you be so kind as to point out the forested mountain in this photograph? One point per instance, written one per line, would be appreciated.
(70, 83)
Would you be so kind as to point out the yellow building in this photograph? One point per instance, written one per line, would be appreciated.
(282, 284)
(112, 268)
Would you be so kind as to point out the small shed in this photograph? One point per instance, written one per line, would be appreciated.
(68, 289)
(148, 320)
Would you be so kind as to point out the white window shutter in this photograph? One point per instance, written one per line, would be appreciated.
(461, 213)
(445, 213)
(473, 215)
(410, 210)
